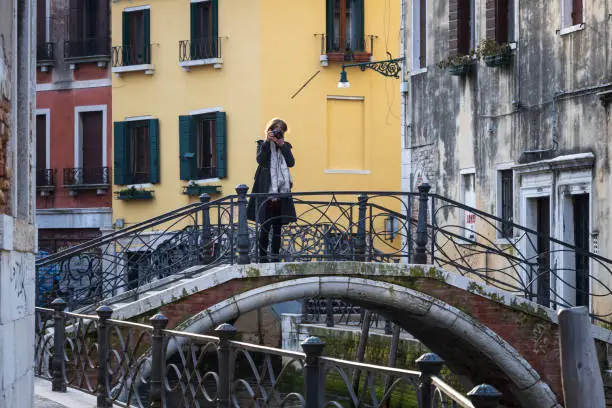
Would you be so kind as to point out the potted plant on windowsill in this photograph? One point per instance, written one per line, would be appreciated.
(494, 54)
(133, 193)
(459, 64)
(194, 189)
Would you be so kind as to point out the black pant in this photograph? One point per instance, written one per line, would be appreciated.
(272, 222)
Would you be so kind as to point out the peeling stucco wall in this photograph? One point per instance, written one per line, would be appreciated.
(17, 230)
(492, 116)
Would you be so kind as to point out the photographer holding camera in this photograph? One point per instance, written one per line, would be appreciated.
(274, 158)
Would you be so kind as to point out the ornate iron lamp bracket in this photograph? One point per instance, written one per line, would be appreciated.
(388, 68)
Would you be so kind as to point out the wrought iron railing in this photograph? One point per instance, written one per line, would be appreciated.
(87, 47)
(123, 56)
(45, 52)
(338, 226)
(199, 48)
(87, 176)
(139, 365)
(45, 177)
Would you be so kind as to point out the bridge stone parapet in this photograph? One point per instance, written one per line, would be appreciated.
(528, 331)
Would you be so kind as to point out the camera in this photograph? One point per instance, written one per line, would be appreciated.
(278, 133)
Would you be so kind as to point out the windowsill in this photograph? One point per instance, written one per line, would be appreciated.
(101, 60)
(217, 63)
(340, 171)
(418, 71)
(139, 186)
(205, 181)
(147, 68)
(571, 29)
(45, 65)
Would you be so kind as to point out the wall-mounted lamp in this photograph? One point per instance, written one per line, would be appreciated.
(388, 68)
(391, 227)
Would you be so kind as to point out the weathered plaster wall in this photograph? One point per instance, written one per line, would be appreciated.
(493, 116)
(17, 232)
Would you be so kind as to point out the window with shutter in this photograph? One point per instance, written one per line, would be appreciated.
(577, 17)
(500, 18)
(345, 25)
(461, 26)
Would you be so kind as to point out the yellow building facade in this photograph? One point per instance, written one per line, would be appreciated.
(195, 82)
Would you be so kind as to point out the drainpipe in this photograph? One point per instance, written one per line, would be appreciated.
(558, 95)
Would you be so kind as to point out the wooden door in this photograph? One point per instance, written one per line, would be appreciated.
(91, 135)
(581, 241)
(543, 228)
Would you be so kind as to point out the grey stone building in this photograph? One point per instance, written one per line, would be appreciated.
(523, 133)
(17, 206)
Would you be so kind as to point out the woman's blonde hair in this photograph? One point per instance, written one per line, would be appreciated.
(274, 122)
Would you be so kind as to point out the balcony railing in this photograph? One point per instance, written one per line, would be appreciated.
(87, 47)
(345, 44)
(45, 52)
(124, 56)
(87, 177)
(198, 49)
(45, 178)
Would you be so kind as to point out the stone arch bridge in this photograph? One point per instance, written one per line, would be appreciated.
(483, 333)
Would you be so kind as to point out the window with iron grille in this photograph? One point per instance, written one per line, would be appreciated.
(507, 200)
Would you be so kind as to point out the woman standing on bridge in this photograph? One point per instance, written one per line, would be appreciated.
(274, 158)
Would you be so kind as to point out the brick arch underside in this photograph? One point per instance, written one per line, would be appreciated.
(469, 348)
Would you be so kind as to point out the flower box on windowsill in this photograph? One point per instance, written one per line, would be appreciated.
(361, 56)
(133, 194)
(356, 56)
(335, 57)
(498, 60)
(461, 69)
(196, 190)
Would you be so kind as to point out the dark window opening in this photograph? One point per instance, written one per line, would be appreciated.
(345, 26)
(139, 148)
(204, 41)
(89, 27)
(461, 27)
(507, 199)
(136, 47)
(577, 12)
(206, 147)
(500, 20)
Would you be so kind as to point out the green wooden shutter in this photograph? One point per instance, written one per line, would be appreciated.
(147, 36)
(215, 18)
(153, 150)
(194, 16)
(126, 30)
(221, 136)
(330, 25)
(121, 163)
(187, 148)
(360, 29)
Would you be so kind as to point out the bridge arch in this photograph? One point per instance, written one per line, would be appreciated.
(468, 347)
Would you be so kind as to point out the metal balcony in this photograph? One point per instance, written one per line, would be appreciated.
(88, 48)
(87, 178)
(124, 56)
(45, 181)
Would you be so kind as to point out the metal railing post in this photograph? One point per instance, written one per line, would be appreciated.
(226, 333)
(57, 363)
(420, 256)
(243, 244)
(484, 396)
(206, 233)
(104, 313)
(329, 312)
(313, 376)
(360, 242)
(159, 322)
(429, 364)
